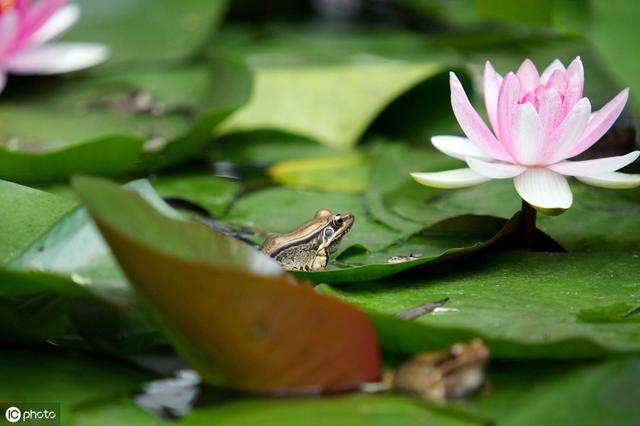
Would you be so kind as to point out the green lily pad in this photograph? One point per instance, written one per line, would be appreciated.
(66, 281)
(398, 201)
(263, 148)
(73, 247)
(592, 393)
(616, 312)
(212, 193)
(447, 241)
(357, 410)
(519, 11)
(26, 213)
(612, 26)
(281, 210)
(138, 31)
(343, 173)
(488, 295)
(344, 99)
(135, 120)
(52, 377)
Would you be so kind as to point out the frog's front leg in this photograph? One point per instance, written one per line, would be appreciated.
(320, 261)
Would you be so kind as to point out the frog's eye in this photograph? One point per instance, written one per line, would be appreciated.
(338, 220)
(328, 232)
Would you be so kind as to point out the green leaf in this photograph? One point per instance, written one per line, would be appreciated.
(53, 377)
(452, 239)
(218, 278)
(613, 26)
(142, 119)
(592, 396)
(343, 173)
(73, 247)
(517, 11)
(262, 148)
(213, 193)
(398, 201)
(358, 410)
(66, 287)
(345, 98)
(26, 213)
(524, 304)
(138, 30)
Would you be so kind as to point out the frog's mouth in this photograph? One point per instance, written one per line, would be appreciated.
(337, 237)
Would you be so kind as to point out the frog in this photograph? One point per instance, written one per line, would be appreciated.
(307, 248)
(445, 375)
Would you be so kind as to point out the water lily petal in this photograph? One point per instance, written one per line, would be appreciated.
(36, 15)
(600, 122)
(575, 70)
(528, 75)
(558, 81)
(450, 179)
(613, 180)
(575, 74)
(495, 170)
(507, 104)
(457, 147)
(568, 134)
(550, 111)
(8, 28)
(470, 121)
(54, 58)
(492, 82)
(556, 65)
(544, 189)
(528, 136)
(58, 23)
(594, 167)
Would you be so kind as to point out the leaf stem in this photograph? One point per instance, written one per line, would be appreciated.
(528, 224)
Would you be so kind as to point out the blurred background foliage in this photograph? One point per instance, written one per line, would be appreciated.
(257, 113)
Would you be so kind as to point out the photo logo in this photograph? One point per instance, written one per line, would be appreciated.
(12, 414)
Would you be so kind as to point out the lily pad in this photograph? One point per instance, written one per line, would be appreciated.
(359, 410)
(263, 148)
(447, 241)
(590, 395)
(345, 99)
(220, 278)
(49, 376)
(281, 210)
(487, 296)
(26, 213)
(398, 201)
(210, 192)
(139, 31)
(54, 287)
(612, 25)
(141, 119)
(73, 247)
(344, 173)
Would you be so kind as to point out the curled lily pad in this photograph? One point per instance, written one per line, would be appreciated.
(224, 305)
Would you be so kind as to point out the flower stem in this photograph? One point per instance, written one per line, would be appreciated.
(528, 224)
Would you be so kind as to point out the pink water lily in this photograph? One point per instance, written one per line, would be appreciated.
(27, 26)
(538, 121)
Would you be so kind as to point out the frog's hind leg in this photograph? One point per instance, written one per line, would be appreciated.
(320, 261)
